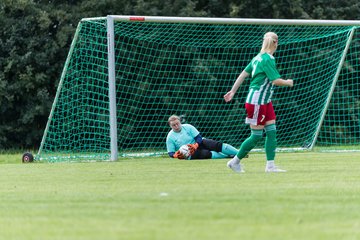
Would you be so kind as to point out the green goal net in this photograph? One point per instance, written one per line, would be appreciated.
(122, 80)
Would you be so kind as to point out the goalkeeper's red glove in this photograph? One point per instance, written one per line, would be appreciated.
(193, 148)
(178, 155)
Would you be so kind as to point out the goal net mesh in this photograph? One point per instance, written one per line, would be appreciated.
(185, 69)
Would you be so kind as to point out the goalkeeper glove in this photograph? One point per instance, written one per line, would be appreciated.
(193, 148)
(179, 155)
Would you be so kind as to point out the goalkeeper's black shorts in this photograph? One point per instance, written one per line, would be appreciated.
(205, 148)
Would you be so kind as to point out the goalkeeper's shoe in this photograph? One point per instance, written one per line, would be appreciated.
(273, 169)
(236, 167)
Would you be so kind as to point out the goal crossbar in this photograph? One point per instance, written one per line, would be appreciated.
(243, 21)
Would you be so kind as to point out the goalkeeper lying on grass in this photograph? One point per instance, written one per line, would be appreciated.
(198, 147)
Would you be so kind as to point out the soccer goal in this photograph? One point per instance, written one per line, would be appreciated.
(125, 75)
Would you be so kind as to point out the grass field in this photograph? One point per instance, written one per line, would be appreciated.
(158, 198)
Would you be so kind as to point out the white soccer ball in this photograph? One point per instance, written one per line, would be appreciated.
(184, 149)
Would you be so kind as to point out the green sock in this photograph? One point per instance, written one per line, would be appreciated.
(249, 143)
(270, 141)
(228, 149)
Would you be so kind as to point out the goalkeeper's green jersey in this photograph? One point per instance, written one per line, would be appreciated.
(262, 69)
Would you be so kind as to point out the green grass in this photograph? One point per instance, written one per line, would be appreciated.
(158, 198)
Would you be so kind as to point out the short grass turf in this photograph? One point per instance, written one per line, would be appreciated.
(159, 198)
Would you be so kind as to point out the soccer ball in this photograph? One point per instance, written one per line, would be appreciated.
(184, 149)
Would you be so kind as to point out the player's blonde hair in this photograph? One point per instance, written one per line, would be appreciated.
(269, 42)
(173, 118)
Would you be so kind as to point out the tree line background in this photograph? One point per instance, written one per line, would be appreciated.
(35, 36)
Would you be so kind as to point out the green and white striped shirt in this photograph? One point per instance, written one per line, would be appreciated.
(262, 69)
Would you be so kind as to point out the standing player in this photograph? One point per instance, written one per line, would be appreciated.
(259, 108)
(200, 148)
